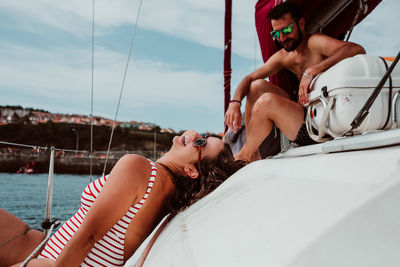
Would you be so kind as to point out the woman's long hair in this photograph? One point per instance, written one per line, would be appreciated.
(212, 173)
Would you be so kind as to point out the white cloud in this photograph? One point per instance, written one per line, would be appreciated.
(193, 20)
(198, 21)
(65, 74)
(378, 33)
(59, 78)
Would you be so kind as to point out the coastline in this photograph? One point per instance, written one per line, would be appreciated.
(71, 163)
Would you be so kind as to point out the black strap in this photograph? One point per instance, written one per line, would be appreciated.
(359, 118)
(389, 95)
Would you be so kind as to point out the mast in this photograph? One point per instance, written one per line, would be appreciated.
(227, 55)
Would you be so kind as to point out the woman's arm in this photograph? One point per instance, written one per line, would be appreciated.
(126, 183)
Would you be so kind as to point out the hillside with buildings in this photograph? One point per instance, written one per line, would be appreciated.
(26, 135)
(18, 114)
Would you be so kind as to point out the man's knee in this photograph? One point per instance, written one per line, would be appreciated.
(261, 86)
(257, 88)
(265, 103)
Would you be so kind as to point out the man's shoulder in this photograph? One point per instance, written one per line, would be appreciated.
(279, 59)
(319, 39)
(284, 56)
(317, 35)
(281, 54)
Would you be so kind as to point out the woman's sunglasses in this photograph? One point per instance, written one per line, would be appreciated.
(286, 30)
(200, 143)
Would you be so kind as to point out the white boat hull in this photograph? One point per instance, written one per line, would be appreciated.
(338, 209)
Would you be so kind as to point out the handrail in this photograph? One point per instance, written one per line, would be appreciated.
(395, 109)
(49, 197)
(45, 148)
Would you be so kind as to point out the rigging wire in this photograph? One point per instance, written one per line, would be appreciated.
(91, 96)
(255, 50)
(15, 237)
(363, 7)
(255, 43)
(122, 86)
(38, 148)
(23, 145)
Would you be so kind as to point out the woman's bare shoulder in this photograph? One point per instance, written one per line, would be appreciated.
(134, 159)
(134, 168)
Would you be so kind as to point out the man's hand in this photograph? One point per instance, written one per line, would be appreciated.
(304, 87)
(233, 116)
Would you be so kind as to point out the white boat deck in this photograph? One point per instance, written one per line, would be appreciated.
(306, 207)
(369, 140)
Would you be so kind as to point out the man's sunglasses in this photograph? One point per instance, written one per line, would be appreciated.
(286, 30)
(200, 143)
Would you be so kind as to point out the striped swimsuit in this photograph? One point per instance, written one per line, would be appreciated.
(108, 251)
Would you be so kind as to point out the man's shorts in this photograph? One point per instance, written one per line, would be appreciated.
(303, 139)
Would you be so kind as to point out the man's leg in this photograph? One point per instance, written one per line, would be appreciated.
(270, 108)
(258, 88)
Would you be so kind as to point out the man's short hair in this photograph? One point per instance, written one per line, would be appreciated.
(285, 8)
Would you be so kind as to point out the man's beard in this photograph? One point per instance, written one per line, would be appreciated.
(294, 44)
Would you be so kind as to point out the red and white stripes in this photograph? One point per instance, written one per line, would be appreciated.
(108, 251)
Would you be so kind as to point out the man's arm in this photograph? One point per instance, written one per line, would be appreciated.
(334, 50)
(233, 116)
(272, 66)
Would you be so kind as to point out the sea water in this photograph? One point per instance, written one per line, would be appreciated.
(24, 195)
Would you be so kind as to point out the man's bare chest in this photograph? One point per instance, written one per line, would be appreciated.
(299, 63)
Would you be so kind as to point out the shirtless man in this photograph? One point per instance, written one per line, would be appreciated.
(267, 104)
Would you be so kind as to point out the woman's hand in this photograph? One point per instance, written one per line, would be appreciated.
(233, 116)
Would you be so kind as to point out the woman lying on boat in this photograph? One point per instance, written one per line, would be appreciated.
(120, 210)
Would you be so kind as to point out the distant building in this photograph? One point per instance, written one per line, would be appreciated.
(169, 130)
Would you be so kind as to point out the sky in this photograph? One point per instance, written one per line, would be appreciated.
(175, 74)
